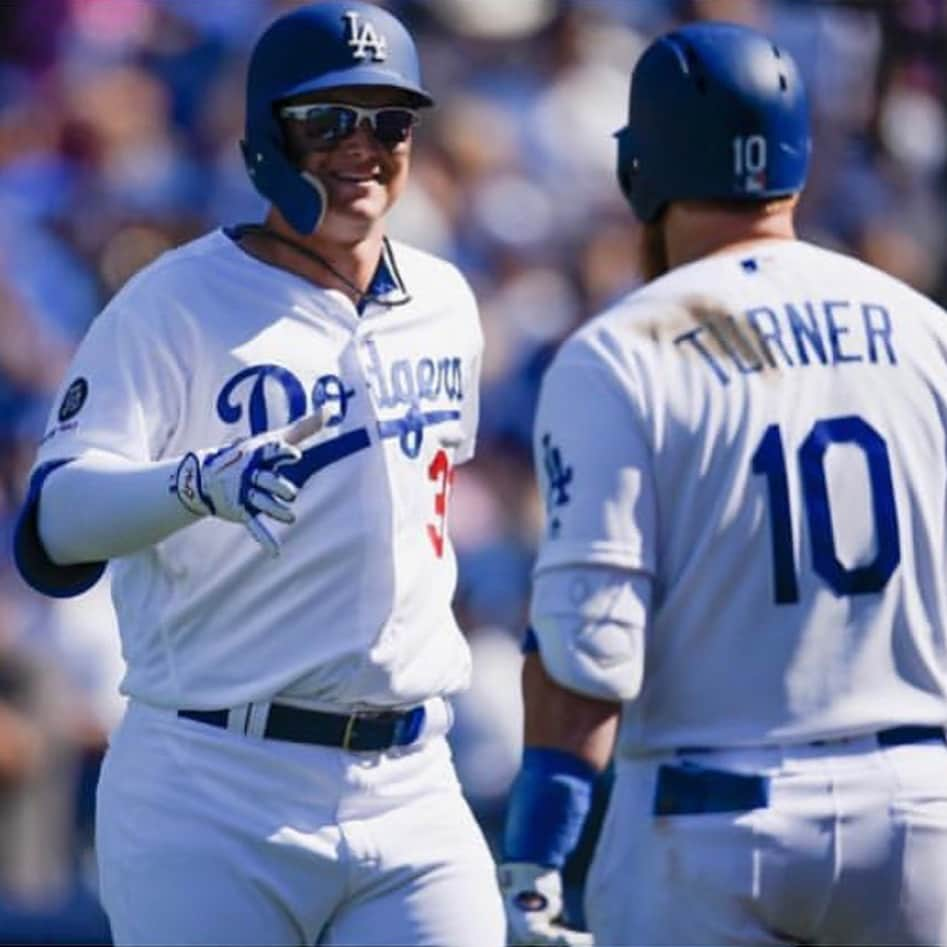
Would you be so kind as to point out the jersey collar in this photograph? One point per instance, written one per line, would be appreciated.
(387, 287)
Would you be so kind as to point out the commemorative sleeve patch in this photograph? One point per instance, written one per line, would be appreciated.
(73, 399)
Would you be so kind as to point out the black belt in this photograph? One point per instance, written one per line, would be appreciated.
(912, 733)
(892, 736)
(692, 789)
(359, 732)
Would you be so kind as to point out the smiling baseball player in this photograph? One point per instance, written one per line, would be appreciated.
(744, 465)
(259, 433)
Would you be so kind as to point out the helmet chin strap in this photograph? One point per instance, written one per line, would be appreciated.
(261, 230)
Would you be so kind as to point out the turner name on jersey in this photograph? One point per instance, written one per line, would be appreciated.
(790, 334)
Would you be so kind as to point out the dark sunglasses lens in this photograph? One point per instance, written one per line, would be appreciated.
(393, 126)
(327, 124)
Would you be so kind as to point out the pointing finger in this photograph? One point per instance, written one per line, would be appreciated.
(304, 428)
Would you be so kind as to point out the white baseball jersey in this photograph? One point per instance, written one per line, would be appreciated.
(763, 433)
(207, 345)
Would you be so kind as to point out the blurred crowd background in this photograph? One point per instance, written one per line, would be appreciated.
(119, 122)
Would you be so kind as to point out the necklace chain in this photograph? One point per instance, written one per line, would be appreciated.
(362, 296)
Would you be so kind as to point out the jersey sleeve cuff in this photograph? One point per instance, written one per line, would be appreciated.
(32, 561)
(556, 554)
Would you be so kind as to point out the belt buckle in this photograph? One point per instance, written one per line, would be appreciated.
(349, 731)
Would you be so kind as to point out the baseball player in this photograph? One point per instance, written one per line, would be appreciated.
(259, 434)
(744, 465)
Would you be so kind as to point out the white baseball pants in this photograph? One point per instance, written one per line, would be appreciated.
(205, 836)
(850, 848)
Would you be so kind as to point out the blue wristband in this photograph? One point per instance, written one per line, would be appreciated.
(548, 803)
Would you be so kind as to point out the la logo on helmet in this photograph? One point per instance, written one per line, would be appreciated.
(363, 36)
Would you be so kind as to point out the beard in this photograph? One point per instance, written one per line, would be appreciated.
(654, 256)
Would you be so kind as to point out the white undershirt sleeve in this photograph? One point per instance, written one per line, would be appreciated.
(101, 506)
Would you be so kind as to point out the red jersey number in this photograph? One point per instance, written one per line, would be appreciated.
(441, 472)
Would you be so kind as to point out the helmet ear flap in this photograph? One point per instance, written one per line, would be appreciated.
(626, 165)
(633, 185)
(300, 197)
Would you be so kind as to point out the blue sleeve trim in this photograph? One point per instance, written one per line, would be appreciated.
(37, 569)
(548, 804)
(530, 643)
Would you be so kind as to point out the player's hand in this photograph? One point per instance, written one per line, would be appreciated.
(532, 898)
(241, 481)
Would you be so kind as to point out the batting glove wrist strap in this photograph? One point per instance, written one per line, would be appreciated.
(186, 485)
(532, 897)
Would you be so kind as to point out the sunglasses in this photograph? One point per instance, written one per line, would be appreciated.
(325, 126)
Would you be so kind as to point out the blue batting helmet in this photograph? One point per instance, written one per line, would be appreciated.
(320, 46)
(717, 111)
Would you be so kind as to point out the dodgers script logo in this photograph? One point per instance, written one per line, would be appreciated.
(410, 395)
(362, 37)
(404, 385)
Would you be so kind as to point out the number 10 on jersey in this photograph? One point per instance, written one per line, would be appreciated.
(769, 460)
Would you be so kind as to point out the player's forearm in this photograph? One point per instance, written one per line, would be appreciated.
(560, 719)
(102, 506)
(21, 746)
(568, 741)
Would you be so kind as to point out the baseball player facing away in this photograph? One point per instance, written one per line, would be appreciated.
(259, 433)
(744, 464)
